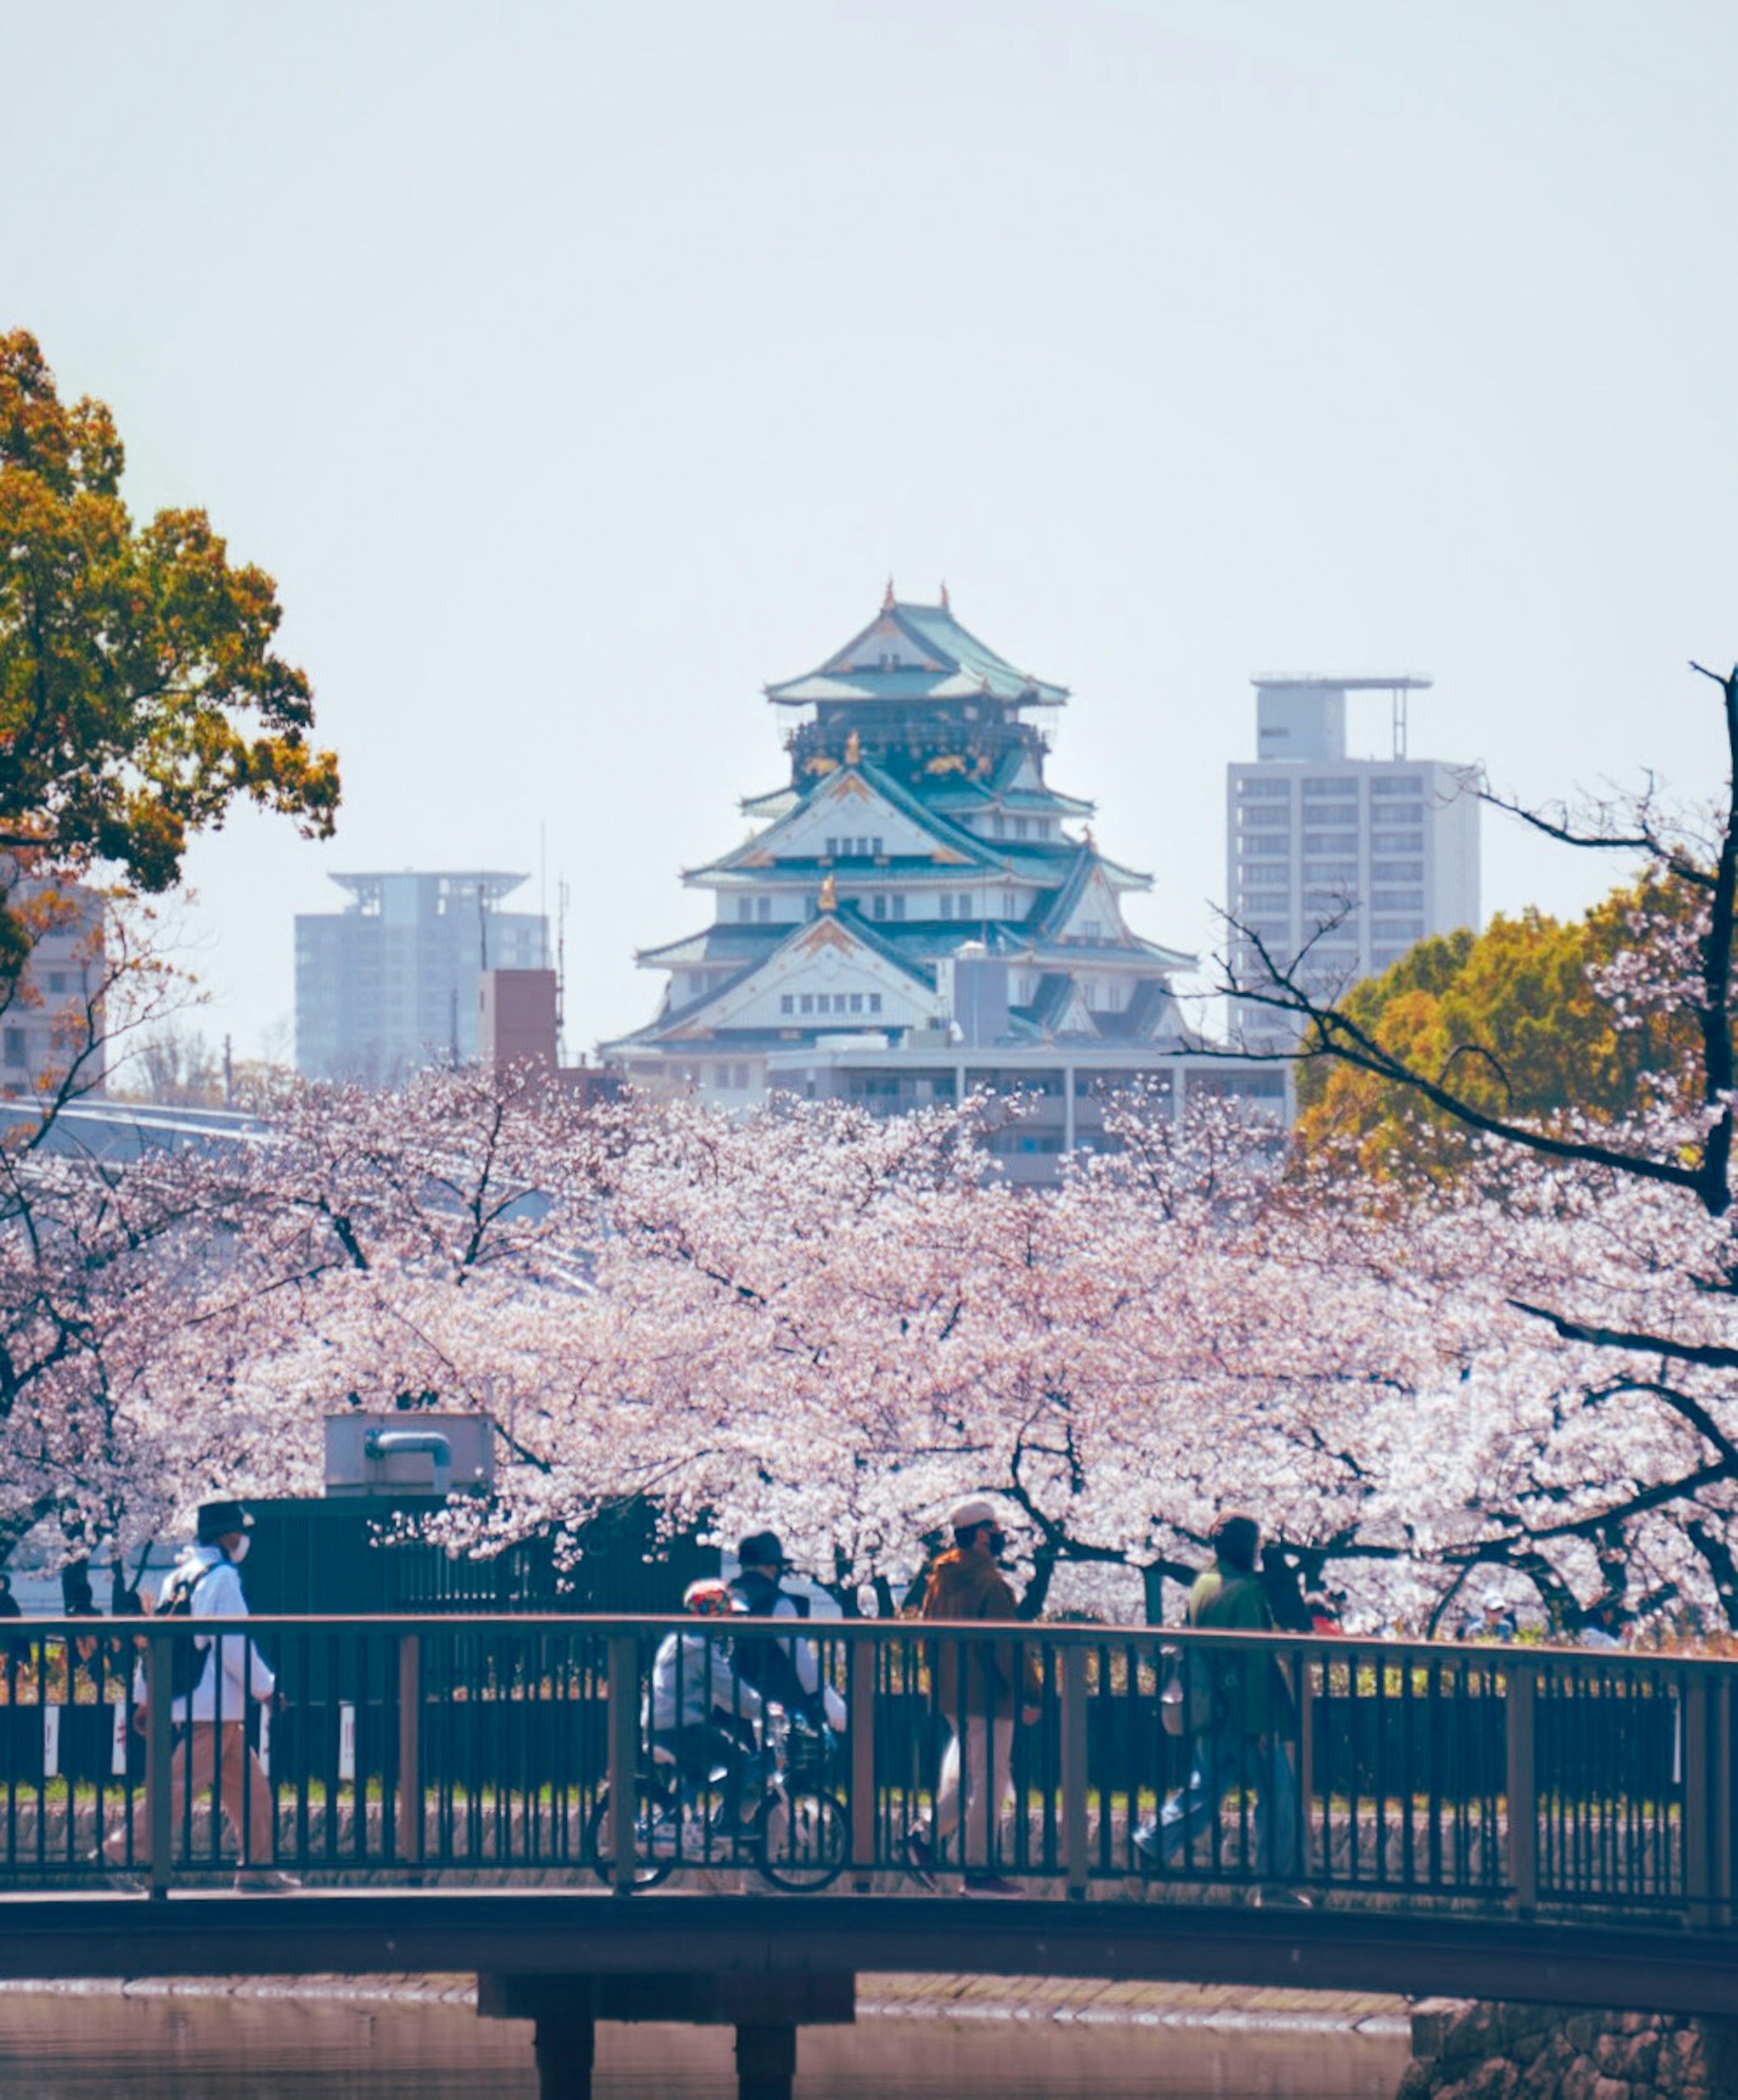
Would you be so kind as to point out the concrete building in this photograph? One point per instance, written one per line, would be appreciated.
(1336, 866)
(394, 983)
(53, 1020)
(920, 913)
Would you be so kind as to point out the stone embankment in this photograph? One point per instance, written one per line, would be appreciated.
(1467, 2050)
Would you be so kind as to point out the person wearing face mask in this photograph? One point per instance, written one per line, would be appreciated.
(981, 1686)
(211, 1720)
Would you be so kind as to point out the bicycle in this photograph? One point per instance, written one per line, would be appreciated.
(798, 1838)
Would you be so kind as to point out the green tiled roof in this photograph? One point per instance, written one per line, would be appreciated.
(955, 665)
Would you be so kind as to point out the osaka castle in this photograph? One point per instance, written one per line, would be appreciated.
(919, 914)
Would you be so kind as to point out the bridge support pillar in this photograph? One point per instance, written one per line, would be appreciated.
(765, 2009)
(765, 2060)
(566, 2045)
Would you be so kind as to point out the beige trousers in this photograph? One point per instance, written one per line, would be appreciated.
(240, 1773)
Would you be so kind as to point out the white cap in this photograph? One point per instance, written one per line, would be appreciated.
(967, 1515)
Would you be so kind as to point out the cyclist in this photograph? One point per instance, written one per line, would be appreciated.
(701, 1707)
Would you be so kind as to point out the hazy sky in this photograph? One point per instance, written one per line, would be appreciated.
(578, 369)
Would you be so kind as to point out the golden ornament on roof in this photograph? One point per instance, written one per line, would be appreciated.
(829, 899)
(854, 749)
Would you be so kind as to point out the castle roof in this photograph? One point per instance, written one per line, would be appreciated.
(912, 653)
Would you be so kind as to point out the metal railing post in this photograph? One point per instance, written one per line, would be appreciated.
(1306, 1676)
(1075, 1856)
(861, 1679)
(1698, 1818)
(410, 1832)
(160, 1673)
(624, 1755)
(1522, 1704)
(1721, 1689)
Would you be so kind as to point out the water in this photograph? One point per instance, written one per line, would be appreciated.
(164, 2044)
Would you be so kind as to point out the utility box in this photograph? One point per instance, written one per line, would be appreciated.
(409, 1453)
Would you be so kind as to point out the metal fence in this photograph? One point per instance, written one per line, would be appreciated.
(398, 1750)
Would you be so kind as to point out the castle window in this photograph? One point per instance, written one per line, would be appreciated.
(963, 904)
(807, 1002)
(745, 908)
(857, 1001)
(833, 849)
(1020, 827)
(999, 825)
(878, 905)
(947, 905)
(763, 907)
(874, 1002)
(875, 847)
(787, 1004)
(899, 905)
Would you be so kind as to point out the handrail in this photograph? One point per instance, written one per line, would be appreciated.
(1557, 1781)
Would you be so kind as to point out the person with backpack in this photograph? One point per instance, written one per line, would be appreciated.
(982, 1687)
(786, 1672)
(1238, 1713)
(213, 1677)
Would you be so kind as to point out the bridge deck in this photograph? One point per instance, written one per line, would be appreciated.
(505, 1932)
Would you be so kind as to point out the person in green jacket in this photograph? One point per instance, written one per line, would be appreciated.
(981, 1686)
(1241, 1718)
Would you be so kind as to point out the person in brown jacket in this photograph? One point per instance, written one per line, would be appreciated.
(981, 1686)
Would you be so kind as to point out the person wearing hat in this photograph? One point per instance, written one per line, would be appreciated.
(981, 1687)
(785, 1673)
(1493, 1621)
(212, 1718)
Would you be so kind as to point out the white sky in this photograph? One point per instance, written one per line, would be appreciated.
(577, 369)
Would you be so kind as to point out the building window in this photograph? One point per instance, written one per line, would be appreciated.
(763, 907)
(963, 903)
(1010, 904)
(1020, 827)
(721, 1076)
(899, 905)
(874, 1002)
(878, 905)
(857, 1001)
(833, 849)
(808, 1002)
(14, 1046)
(947, 904)
(745, 908)
(1000, 827)
(787, 1004)
(57, 980)
(1090, 928)
(739, 1078)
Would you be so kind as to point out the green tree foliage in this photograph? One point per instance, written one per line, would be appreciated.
(141, 694)
(1517, 1022)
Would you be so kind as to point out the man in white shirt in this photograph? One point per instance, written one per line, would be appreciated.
(212, 1721)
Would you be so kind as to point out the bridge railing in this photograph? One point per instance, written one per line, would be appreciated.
(530, 1746)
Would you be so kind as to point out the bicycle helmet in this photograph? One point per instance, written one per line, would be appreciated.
(710, 1597)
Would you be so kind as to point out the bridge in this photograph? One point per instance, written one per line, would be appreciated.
(481, 1794)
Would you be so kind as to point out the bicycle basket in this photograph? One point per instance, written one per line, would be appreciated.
(808, 1758)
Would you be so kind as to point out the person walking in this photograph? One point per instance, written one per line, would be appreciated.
(212, 1719)
(981, 1686)
(1240, 1716)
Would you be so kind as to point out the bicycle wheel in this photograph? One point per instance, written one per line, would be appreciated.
(801, 1843)
(657, 1825)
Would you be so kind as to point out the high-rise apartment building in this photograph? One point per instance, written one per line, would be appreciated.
(394, 983)
(52, 1025)
(1336, 866)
